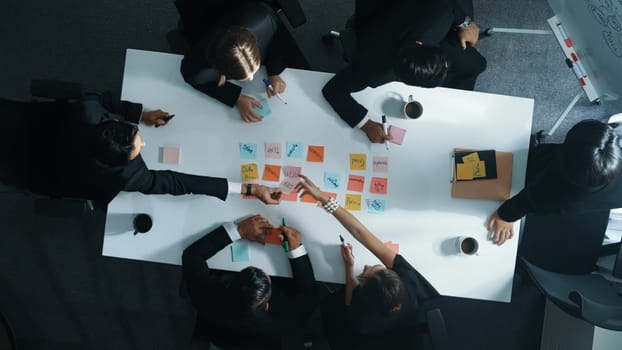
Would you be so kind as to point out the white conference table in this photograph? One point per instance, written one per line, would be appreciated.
(421, 215)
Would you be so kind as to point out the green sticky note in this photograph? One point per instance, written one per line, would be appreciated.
(265, 109)
(239, 251)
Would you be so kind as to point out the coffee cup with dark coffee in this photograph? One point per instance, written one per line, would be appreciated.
(412, 108)
(142, 223)
(467, 245)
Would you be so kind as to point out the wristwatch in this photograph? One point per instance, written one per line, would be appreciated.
(467, 21)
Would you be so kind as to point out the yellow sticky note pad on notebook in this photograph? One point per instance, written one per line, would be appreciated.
(471, 158)
(464, 171)
(479, 169)
(250, 172)
(353, 201)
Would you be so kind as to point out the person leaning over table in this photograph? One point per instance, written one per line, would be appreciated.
(423, 43)
(380, 308)
(92, 151)
(580, 175)
(248, 309)
(233, 49)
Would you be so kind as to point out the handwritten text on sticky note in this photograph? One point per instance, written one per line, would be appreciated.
(380, 164)
(250, 172)
(378, 185)
(273, 150)
(358, 161)
(353, 202)
(248, 150)
(288, 184)
(356, 183)
(315, 154)
(332, 180)
(292, 171)
(271, 172)
(376, 206)
(397, 134)
(294, 149)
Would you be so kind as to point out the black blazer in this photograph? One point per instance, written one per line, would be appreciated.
(63, 164)
(208, 290)
(394, 24)
(255, 16)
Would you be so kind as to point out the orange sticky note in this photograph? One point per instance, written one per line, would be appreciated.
(378, 185)
(358, 161)
(464, 171)
(353, 201)
(250, 172)
(250, 197)
(291, 197)
(271, 172)
(315, 154)
(356, 183)
(307, 198)
(272, 237)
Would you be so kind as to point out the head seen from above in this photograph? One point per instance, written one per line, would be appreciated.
(380, 289)
(235, 54)
(421, 65)
(117, 142)
(251, 289)
(591, 155)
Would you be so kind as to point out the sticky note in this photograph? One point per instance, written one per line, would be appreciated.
(294, 149)
(250, 197)
(315, 154)
(358, 161)
(288, 184)
(250, 172)
(397, 134)
(271, 172)
(353, 201)
(356, 183)
(307, 198)
(378, 185)
(292, 171)
(393, 246)
(265, 109)
(376, 206)
(248, 150)
(273, 237)
(273, 150)
(479, 169)
(332, 180)
(170, 155)
(239, 251)
(471, 158)
(464, 171)
(290, 197)
(380, 164)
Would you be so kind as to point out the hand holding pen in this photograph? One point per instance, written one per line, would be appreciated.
(291, 236)
(275, 86)
(346, 253)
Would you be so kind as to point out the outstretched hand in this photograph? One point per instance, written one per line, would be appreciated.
(157, 117)
(292, 235)
(347, 255)
(254, 228)
(308, 187)
(502, 230)
(268, 195)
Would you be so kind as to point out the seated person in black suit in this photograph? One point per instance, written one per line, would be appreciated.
(248, 309)
(86, 150)
(423, 43)
(233, 48)
(380, 308)
(580, 175)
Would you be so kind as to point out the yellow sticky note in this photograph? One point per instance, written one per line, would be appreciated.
(250, 172)
(353, 201)
(471, 158)
(464, 171)
(358, 161)
(479, 169)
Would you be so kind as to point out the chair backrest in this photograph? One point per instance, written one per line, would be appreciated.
(568, 243)
(7, 338)
(437, 330)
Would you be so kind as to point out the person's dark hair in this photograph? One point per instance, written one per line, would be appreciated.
(421, 65)
(251, 289)
(114, 141)
(234, 53)
(381, 292)
(591, 154)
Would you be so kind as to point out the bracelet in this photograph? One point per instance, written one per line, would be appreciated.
(331, 205)
(249, 189)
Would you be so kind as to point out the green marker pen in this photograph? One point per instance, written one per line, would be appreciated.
(285, 241)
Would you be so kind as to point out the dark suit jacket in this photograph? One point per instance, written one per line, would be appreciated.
(209, 293)
(379, 36)
(255, 16)
(63, 164)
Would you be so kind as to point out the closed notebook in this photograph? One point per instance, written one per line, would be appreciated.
(492, 189)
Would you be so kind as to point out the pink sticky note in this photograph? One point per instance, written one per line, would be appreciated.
(288, 184)
(273, 150)
(170, 155)
(397, 134)
(378, 185)
(292, 171)
(381, 164)
(356, 183)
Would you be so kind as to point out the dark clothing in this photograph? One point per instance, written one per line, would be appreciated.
(289, 307)
(354, 327)
(61, 161)
(398, 24)
(549, 192)
(258, 18)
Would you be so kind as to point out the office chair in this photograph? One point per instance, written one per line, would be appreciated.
(437, 330)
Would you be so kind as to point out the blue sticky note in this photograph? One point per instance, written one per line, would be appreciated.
(294, 150)
(239, 251)
(376, 206)
(248, 150)
(332, 180)
(265, 109)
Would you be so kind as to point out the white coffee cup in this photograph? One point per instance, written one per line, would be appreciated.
(412, 109)
(467, 245)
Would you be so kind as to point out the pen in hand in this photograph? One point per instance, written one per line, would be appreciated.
(384, 127)
(285, 241)
(267, 83)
